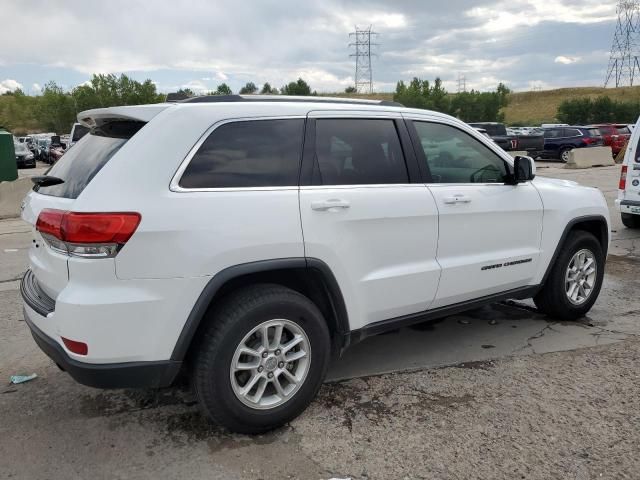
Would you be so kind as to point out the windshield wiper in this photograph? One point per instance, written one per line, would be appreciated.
(46, 180)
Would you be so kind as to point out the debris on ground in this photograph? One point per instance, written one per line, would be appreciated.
(16, 379)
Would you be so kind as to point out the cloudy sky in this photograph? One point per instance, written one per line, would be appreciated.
(201, 43)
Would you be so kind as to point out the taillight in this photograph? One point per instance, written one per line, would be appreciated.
(623, 178)
(76, 347)
(589, 140)
(87, 234)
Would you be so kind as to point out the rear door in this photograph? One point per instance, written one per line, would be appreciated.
(367, 215)
(489, 231)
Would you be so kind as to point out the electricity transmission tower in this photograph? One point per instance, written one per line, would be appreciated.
(623, 62)
(462, 83)
(364, 72)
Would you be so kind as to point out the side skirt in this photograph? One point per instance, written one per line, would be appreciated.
(382, 326)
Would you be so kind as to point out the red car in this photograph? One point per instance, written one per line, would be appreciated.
(615, 136)
(56, 149)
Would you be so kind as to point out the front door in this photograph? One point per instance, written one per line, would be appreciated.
(489, 231)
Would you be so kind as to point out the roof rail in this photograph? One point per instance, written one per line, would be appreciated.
(286, 98)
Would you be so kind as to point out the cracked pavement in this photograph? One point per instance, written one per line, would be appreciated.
(497, 392)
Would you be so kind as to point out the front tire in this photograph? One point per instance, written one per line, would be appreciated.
(630, 221)
(263, 357)
(575, 279)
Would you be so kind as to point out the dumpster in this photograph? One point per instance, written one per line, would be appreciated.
(8, 168)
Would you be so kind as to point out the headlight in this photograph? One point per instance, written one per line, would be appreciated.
(29, 156)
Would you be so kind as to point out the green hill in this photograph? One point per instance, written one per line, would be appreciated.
(541, 106)
(536, 107)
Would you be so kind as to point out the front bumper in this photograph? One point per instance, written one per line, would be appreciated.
(152, 374)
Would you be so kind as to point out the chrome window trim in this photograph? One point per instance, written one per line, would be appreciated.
(174, 185)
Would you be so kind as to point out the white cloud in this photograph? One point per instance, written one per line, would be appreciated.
(564, 60)
(507, 15)
(36, 87)
(10, 85)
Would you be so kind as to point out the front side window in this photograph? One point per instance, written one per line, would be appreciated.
(454, 156)
(358, 152)
(256, 153)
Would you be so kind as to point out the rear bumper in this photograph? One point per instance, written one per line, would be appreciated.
(101, 375)
(628, 206)
(107, 375)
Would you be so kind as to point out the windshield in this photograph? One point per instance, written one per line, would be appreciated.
(20, 148)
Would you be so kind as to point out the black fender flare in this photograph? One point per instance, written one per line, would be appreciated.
(605, 235)
(216, 282)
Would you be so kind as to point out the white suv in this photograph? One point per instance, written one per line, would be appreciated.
(247, 239)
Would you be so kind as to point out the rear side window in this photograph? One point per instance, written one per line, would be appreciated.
(572, 132)
(80, 164)
(623, 130)
(553, 133)
(256, 153)
(358, 152)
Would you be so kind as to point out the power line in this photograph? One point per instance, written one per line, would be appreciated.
(364, 72)
(623, 62)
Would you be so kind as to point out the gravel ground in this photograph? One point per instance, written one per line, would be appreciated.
(566, 415)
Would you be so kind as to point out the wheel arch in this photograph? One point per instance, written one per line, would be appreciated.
(308, 276)
(595, 224)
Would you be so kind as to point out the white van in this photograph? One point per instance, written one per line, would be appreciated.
(628, 201)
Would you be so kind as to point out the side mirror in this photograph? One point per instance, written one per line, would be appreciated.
(524, 169)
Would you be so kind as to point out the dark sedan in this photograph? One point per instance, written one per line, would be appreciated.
(24, 158)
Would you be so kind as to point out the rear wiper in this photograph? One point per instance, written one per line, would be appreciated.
(46, 180)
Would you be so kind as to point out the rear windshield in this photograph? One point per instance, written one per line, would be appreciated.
(78, 132)
(80, 164)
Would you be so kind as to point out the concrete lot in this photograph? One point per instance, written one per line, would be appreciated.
(477, 395)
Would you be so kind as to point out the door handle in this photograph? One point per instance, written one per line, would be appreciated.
(456, 199)
(331, 204)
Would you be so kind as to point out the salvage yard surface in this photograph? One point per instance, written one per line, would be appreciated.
(499, 392)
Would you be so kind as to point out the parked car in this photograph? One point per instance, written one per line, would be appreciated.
(77, 132)
(614, 136)
(42, 149)
(24, 158)
(498, 133)
(628, 201)
(483, 132)
(56, 149)
(532, 144)
(171, 238)
(559, 141)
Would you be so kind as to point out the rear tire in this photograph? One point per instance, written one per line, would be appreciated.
(630, 221)
(222, 373)
(564, 154)
(557, 298)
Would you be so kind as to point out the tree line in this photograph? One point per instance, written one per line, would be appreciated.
(472, 106)
(587, 111)
(55, 110)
